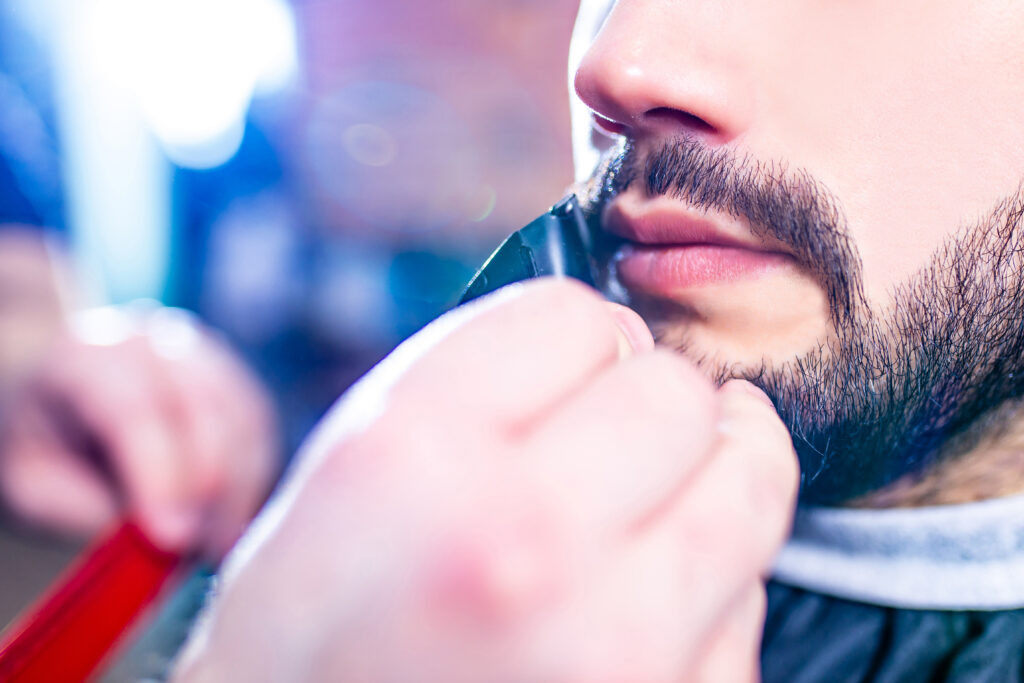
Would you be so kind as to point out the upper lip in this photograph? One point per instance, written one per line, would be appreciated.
(673, 224)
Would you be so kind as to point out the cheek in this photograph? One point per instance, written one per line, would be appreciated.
(915, 123)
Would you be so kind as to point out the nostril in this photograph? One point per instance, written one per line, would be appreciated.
(677, 118)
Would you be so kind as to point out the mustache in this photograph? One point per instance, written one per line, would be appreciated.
(788, 205)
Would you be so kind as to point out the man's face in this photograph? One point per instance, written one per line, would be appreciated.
(813, 196)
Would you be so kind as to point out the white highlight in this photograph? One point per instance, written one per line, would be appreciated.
(589, 20)
(194, 66)
(102, 326)
(173, 333)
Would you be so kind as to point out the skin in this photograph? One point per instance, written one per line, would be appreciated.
(913, 139)
(908, 113)
(533, 531)
(122, 412)
(443, 533)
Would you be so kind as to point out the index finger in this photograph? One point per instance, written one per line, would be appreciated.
(505, 359)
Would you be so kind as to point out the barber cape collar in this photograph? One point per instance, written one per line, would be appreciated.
(950, 557)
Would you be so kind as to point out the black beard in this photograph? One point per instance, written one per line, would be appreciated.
(886, 395)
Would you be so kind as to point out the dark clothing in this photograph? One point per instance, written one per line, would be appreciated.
(814, 638)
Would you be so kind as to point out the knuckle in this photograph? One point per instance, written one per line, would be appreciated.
(728, 525)
(675, 380)
(211, 477)
(500, 572)
(751, 511)
(769, 511)
(466, 575)
(727, 548)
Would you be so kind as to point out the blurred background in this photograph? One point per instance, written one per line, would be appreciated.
(317, 179)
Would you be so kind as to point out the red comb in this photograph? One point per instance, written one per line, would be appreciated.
(69, 633)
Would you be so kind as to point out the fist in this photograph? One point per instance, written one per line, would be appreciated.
(141, 413)
(525, 491)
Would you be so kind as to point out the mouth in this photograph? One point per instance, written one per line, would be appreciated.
(668, 248)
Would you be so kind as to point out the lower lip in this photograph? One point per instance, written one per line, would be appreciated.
(666, 270)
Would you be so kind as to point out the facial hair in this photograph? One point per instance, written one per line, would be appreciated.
(887, 393)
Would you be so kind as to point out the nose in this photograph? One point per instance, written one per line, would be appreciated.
(668, 68)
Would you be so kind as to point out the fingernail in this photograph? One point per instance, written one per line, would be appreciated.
(634, 335)
(749, 389)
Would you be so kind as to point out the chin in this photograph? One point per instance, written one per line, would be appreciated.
(739, 327)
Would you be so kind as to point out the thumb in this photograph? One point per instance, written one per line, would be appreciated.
(634, 335)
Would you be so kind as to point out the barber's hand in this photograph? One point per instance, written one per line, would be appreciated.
(141, 413)
(515, 495)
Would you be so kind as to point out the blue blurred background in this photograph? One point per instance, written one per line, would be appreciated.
(317, 179)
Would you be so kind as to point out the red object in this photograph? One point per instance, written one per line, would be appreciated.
(70, 631)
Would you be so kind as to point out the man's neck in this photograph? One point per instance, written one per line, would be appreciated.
(986, 461)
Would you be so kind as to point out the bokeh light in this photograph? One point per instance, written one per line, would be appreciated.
(194, 66)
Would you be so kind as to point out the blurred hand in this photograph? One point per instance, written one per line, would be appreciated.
(525, 491)
(33, 281)
(139, 412)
